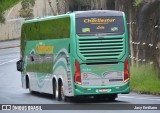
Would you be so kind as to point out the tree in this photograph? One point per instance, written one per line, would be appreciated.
(26, 11)
(52, 9)
(2, 19)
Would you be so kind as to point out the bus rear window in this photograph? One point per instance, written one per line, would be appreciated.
(99, 25)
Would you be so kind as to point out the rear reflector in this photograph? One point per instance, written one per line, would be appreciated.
(126, 71)
(77, 76)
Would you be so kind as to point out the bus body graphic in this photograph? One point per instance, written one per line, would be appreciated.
(76, 54)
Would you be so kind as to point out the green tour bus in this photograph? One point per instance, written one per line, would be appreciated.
(83, 53)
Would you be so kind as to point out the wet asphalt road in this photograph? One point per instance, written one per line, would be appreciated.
(11, 91)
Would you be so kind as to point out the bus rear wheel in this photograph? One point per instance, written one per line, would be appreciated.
(59, 92)
(54, 89)
(29, 87)
(62, 95)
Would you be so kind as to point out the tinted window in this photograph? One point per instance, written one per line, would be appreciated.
(99, 25)
(55, 29)
(48, 29)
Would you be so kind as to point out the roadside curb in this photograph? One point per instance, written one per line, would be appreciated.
(6, 47)
(147, 93)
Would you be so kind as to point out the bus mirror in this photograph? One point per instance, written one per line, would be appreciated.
(19, 66)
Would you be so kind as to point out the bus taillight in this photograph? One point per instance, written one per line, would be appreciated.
(126, 71)
(77, 76)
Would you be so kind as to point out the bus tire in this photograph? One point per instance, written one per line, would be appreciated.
(62, 96)
(58, 92)
(29, 87)
(54, 85)
(57, 97)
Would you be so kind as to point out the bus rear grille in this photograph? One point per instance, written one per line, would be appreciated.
(100, 49)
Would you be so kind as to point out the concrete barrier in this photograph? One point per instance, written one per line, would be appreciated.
(12, 28)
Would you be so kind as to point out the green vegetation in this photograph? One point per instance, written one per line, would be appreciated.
(2, 19)
(40, 67)
(5, 5)
(144, 79)
(26, 11)
(137, 2)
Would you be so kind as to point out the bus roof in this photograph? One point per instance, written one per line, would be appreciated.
(88, 13)
(92, 13)
(45, 18)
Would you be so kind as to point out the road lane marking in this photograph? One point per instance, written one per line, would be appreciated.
(4, 54)
(13, 60)
(7, 47)
(157, 99)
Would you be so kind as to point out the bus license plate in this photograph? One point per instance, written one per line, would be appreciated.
(103, 90)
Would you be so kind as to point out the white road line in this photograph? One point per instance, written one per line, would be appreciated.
(13, 60)
(3, 59)
(4, 53)
(152, 97)
(157, 99)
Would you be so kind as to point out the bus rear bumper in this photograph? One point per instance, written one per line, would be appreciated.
(94, 90)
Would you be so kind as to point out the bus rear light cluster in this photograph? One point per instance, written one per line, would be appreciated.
(126, 71)
(77, 76)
